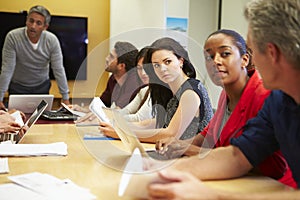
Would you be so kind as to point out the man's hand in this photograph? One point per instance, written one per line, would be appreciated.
(180, 185)
(66, 101)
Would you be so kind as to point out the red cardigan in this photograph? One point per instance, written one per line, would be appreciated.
(248, 106)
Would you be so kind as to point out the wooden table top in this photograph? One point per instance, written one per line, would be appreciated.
(97, 164)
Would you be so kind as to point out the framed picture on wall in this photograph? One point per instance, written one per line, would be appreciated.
(179, 25)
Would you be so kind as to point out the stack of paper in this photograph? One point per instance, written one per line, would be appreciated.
(53, 149)
(43, 186)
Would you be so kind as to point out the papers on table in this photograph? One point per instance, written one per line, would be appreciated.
(52, 149)
(18, 117)
(12, 191)
(134, 177)
(4, 165)
(42, 187)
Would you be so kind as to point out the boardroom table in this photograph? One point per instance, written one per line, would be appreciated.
(97, 164)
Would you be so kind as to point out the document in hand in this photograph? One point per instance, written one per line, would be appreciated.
(96, 106)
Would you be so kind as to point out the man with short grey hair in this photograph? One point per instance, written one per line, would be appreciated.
(27, 54)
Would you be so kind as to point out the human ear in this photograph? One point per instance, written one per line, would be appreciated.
(122, 66)
(46, 27)
(245, 60)
(181, 60)
(273, 51)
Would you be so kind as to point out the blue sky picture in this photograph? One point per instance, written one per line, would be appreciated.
(177, 24)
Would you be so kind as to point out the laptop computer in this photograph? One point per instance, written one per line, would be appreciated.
(27, 103)
(17, 137)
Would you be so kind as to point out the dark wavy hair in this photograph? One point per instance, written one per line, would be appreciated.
(160, 92)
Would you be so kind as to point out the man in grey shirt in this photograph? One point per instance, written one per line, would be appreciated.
(26, 57)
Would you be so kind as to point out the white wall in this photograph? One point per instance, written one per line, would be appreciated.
(136, 21)
(233, 16)
(177, 8)
(203, 19)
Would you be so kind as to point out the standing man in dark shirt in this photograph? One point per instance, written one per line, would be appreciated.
(123, 82)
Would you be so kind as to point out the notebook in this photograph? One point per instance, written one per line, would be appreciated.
(27, 103)
(17, 137)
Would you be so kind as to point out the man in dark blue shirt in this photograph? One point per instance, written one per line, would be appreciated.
(277, 126)
(273, 36)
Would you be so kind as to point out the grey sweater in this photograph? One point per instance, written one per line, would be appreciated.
(24, 65)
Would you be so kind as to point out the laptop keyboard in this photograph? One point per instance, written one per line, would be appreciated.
(6, 137)
(157, 156)
(56, 115)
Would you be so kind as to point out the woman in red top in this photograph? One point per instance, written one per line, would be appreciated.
(228, 62)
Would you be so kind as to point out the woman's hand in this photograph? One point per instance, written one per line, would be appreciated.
(89, 118)
(108, 130)
(172, 147)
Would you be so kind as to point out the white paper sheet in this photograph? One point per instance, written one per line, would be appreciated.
(4, 166)
(12, 191)
(96, 107)
(18, 117)
(134, 177)
(53, 149)
(50, 187)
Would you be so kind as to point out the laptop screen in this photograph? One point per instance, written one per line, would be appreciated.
(31, 120)
(28, 102)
